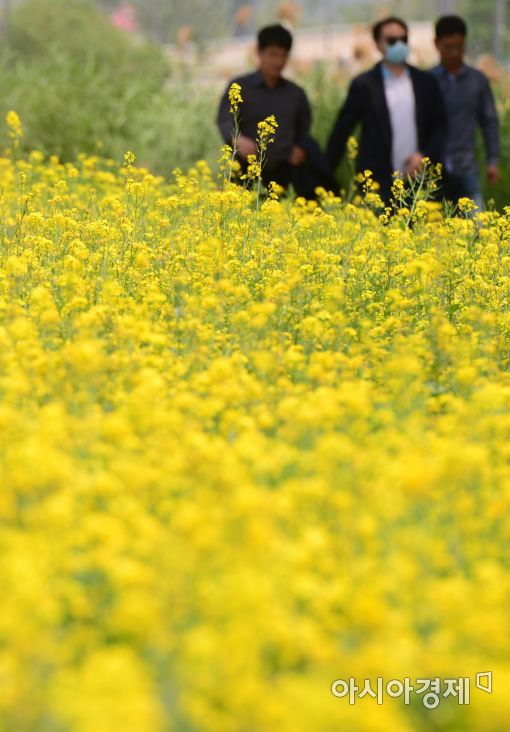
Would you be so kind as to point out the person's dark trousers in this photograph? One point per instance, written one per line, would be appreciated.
(314, 173)
(462, 186)
(302, 178)
(385, 190)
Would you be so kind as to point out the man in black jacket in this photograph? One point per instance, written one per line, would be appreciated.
(293, 158)
(400, 109)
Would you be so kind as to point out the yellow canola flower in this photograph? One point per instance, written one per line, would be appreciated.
(246, 451)
(235, 97)
(352, 148)
(466, 205)
(266, 128)
(14, 124)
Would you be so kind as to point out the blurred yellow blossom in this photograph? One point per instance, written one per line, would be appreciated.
(247, 450)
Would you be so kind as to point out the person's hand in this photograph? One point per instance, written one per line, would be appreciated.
(413, 163)
(493, 174)
(246, 146)
(297, 155)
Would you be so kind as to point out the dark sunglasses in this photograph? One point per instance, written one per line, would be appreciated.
(391, 40)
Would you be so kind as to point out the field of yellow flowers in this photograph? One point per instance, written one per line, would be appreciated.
(246, 451)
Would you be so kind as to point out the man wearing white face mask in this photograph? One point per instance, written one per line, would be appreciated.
(401, 112)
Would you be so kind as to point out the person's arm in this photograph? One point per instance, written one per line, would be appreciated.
(348, 117)
(489, 123)
(438, 123)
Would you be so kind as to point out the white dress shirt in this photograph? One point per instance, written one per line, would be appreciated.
(401, 103)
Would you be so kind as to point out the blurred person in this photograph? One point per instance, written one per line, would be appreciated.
(469, 104)
(242, 21)
(288, 13)
(293, 158)
(400, 109)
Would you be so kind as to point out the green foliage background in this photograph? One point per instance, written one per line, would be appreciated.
(80, 85)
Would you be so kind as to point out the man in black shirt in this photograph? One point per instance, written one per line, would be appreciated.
(293, 157)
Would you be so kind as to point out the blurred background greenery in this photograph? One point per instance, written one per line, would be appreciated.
(82, 85)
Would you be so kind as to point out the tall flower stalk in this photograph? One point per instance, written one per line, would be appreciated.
(266, 130)
(235, 98)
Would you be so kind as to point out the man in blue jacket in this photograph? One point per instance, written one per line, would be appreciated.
(469, 104)
(400, 109)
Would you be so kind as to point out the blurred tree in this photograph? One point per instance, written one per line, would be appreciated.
(76, 28)
(5, 17)
(447, 7)
(487, 25)
(500, 32)
(163, 19)
(74, 78)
